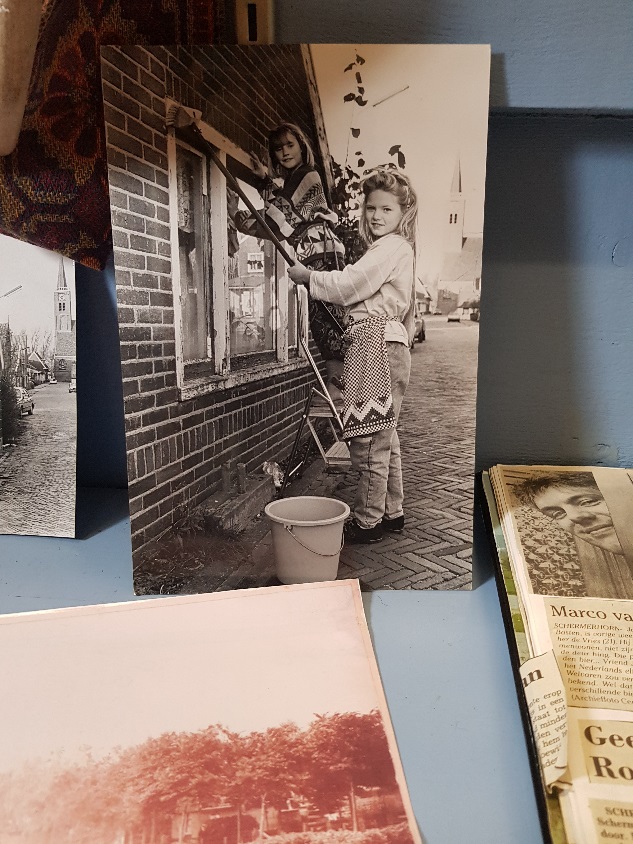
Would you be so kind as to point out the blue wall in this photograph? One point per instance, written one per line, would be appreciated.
(546, 53)
(101, 459)
(556, 342)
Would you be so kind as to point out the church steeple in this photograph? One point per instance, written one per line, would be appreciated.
(61, 276)
(455, 213)
(62, 302)
(456, 187)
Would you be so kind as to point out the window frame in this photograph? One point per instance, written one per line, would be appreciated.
(215, 256)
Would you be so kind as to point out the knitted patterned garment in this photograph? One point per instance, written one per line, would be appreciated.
(367, 399)
(54, 186)
(297, 212)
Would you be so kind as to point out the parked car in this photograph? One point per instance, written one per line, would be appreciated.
(52, 380)
(454, 316)
(73, 385)
(25, 402)
(420, 327)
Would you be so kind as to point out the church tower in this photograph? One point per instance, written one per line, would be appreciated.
(460, 277)
(64, 357)
(63, 319)
(455, 213)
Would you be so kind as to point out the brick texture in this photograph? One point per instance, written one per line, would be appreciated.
(176, 448)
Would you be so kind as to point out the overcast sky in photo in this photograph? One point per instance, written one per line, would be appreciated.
(430, 99)
(37, 270)
(115, 676)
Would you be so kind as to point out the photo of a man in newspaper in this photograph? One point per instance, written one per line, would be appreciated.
(575, 504)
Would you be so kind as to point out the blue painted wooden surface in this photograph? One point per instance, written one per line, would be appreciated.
(101, 459)
(556, 341)
(546, 54)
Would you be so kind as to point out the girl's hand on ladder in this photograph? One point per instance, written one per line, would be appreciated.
(299, 274)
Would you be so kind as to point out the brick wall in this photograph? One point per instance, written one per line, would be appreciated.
(176, 449)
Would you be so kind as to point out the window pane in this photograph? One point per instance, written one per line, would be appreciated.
(252, 290)
(292, 314)
(193, 299)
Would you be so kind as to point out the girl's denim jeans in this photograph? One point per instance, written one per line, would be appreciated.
(377, 457)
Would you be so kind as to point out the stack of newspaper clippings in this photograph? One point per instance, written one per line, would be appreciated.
(565, 542)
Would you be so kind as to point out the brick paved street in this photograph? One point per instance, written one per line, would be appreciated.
(37, 476)
(437, 433)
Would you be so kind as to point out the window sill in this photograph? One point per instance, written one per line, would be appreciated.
(204, 386)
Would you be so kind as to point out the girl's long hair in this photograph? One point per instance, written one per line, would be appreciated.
(394, 182)
(276, 134)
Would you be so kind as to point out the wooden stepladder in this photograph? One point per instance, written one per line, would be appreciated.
(336, 457)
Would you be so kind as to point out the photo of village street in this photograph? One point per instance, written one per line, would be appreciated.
(38, 415)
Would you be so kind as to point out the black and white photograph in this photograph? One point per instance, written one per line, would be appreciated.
(246, 716)
(38, 415)
(297, 241)
(573, 526)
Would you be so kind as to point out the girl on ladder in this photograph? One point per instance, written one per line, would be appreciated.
(379, 292)
(297, 212)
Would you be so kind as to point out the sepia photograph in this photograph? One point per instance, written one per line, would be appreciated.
(297, 242)
(38, 415)
(573, 526)
(200, 720)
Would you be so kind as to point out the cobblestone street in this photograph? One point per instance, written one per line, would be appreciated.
(37, 476)
(437, 434)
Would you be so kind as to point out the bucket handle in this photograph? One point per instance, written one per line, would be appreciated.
(311, 550)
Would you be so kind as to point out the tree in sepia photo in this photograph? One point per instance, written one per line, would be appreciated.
(251, 715)
(284, 784)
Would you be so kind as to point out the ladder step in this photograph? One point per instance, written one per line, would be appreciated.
(322, 411)
(337, 455)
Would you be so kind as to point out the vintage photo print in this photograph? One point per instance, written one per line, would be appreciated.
(235, 717)
(573, 525)
(288, 218)
(38, 415)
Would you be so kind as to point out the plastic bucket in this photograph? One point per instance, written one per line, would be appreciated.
(307, 533)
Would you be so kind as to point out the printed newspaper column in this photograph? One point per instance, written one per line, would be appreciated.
(613, 819)
(545, 695)
(593, 644)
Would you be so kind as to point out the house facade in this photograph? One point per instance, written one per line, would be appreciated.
(38, 369)
(209, 322)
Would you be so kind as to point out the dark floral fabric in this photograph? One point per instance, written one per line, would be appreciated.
(54, 186)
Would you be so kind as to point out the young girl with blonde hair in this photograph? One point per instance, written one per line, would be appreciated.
(379, 292)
